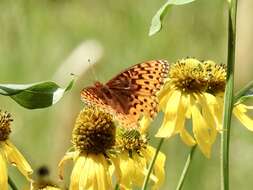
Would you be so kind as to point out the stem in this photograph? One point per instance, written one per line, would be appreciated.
(116, 187)
(12, 184)
(228, 105)
(241, 92)
(145, 184)
(186, 167)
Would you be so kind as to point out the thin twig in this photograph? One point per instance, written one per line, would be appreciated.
(186, 167)
(12, 184)
(145, 184)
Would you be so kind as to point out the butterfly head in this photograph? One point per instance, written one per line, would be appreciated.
(98, 84)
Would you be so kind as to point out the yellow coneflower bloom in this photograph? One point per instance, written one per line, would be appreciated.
(9, 153)
(93, 137)
(195, 90)
(134, 158)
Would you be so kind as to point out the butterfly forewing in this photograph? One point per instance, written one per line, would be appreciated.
(131, 93)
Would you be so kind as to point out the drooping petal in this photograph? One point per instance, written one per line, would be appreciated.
(116, 168)
(144, 123)
(103, 170)
(240, 112)
(139, 170)
(164, 93)
(169, 122)
(201, 131)
(3, 172)
(207, 101)
(218, 113)
(17, 159)
(133, 170)
(187, 138)
(68, 156)
(91, 172)
(126, 167)
(76, 172)
(181, 113)
(248, 107)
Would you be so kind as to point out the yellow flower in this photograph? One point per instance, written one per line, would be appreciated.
(194, 91)
(93, 137)
(9, 153)
(134, 158)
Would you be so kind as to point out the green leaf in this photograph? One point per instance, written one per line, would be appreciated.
(244, 94)
(156, 23)
(248, 95)
(37, 95)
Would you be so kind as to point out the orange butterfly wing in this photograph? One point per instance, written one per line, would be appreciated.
(132, 93)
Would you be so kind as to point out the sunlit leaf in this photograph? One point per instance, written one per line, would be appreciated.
(37, 95)
(156, 24)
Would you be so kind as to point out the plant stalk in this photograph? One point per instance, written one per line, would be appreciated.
(12, 184)
(229, 92)
(145, 184)
(186, 167)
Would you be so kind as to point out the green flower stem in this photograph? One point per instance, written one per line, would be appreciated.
(145, 184)
(186, 167)
(12, 184)
(116, 187)
(228, 105)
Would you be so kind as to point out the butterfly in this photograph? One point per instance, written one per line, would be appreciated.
(130, 94)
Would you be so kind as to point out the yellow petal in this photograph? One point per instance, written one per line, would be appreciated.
(167, 128)
(201, 131)
(144, 124)
(76, 172)
(218, 112)
(187, 138)
(116, 167)
(164, 92)
(103, 177)
(133, 170)
(68, 156)
(181, 113)
(17, 159)
(140, 164)
(3, 173)
(188, 111)
(248, 107)
(126, 167)
(173, 102)
(240, 113)
(94, 173)
(207, 102)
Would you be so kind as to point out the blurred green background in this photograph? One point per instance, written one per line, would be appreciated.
(39, 40)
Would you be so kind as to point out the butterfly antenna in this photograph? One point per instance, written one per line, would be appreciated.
(91, 65)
